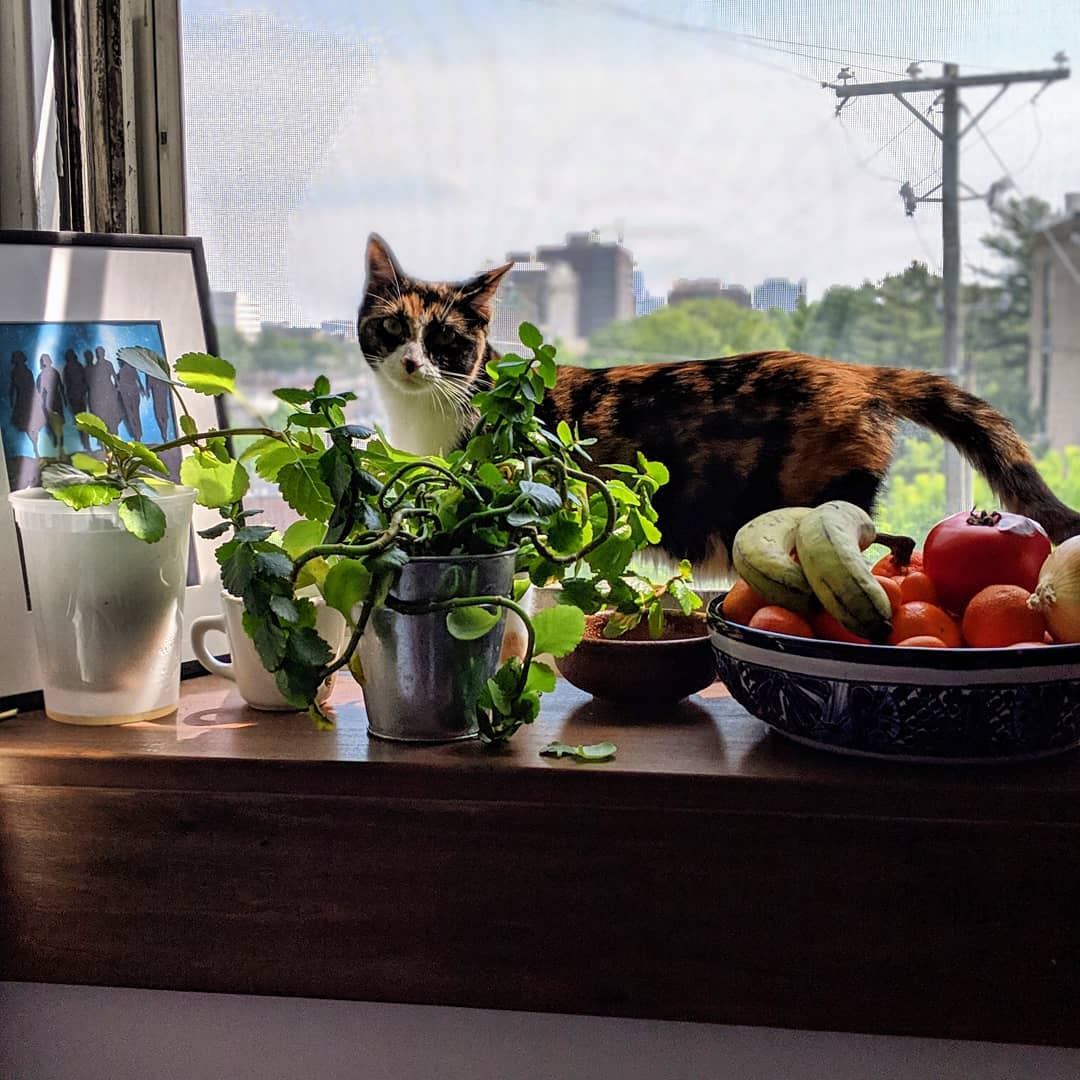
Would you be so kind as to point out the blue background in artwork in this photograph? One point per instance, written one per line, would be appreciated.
(33, 339)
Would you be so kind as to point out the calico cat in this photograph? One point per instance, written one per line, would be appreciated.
(740, 435)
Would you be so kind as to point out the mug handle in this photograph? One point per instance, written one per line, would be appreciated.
(202, 626)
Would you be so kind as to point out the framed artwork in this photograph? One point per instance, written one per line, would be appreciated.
(68, 303)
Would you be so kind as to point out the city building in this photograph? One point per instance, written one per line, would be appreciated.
(533, 291)
(604, 274)
(1054, 351)
(779, 293)
(708, 289)
(341, 329)
(236, 311)
(644, 301)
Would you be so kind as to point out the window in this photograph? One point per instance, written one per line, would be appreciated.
(671, 180)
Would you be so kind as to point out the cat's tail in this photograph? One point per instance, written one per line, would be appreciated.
(985, 438)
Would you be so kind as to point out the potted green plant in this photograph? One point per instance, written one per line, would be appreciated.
(105, 542)
(645, 640)
(418, 554)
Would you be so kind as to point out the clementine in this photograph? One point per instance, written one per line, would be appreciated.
(998, 616)
(778, 620)
(917, 618)
(741, 602)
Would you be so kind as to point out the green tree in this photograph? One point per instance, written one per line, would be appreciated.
(696, 329)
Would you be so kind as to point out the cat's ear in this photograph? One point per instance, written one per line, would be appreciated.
(384, 275)
(479, 293)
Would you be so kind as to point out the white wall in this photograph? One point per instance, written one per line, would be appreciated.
(85, 1033)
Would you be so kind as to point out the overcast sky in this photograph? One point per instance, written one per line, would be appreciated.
(696, 128)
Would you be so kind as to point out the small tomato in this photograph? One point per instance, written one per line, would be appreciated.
(969, 551)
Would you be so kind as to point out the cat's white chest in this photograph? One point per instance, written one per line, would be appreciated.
(421, 423)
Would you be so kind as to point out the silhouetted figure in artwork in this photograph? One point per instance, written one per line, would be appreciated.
(27, 413)
(101, 383)
(75, 388)
(130, 390)
(51, 388)
(165, 415)
(161, 398)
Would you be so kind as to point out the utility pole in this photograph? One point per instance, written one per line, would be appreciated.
(957, 478)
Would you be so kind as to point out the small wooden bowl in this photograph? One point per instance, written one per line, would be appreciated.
(644, 672)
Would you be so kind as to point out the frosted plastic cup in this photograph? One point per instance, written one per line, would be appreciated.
(256, 685)
(107, 608)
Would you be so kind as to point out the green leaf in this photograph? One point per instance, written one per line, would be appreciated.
(95, 426)
(88, 464)
(655, 469)
(470, 623)
(237, 567)
(306, 647)
(77, 489)
(558, 629)
(500, 698)
(619, 622)
(490, 476)
(294, 397)
(302, 535)
(271, 461)
(284, 607)
(530, 337)
(543, 496)
(206, 374)
(187, 424)
(547, 370)
(322, 386)
(685, 597)
(307, 420)
(541, 678)
(274, 563)
(304, 491)
(142, 517)
(214, 531)
(146, 360)
(656, 619)
(566, 436)
(217, 482)
(582, 752)
(565, 535)
(346, 585)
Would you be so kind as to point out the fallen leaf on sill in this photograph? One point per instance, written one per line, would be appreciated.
(603, 751)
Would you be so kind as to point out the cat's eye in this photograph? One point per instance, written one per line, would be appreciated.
(440, 334)
(393, 326)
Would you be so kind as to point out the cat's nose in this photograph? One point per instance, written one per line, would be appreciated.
(409, 364)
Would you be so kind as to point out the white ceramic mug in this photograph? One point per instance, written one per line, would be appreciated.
(255, 683)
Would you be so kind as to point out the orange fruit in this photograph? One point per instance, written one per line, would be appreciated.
(918, 618)
(741, 602)
(830, 628)
(892, 591)
(998, 616)
(778, 620)
(917, 586)
(886, 566)
(923, 641)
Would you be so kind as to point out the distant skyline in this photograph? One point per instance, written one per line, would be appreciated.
(462, 131)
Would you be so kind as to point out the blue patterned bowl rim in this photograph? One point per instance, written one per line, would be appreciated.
(1053, 661)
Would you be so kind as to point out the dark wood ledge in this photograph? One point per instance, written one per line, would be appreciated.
(712, 871)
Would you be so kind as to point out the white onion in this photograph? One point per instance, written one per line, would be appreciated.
(1057, 595)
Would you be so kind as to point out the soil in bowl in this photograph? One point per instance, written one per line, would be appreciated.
(639, 669)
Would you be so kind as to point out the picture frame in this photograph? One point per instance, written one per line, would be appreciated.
(68, 302)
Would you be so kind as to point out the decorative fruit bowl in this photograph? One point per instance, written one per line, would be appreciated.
(951, 706)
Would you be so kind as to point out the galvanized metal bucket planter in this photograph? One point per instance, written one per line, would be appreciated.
(421, 684)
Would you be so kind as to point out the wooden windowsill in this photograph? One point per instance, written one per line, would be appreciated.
(712, 871)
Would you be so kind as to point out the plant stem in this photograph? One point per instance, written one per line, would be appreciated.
(354, 639)
(198, 436)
